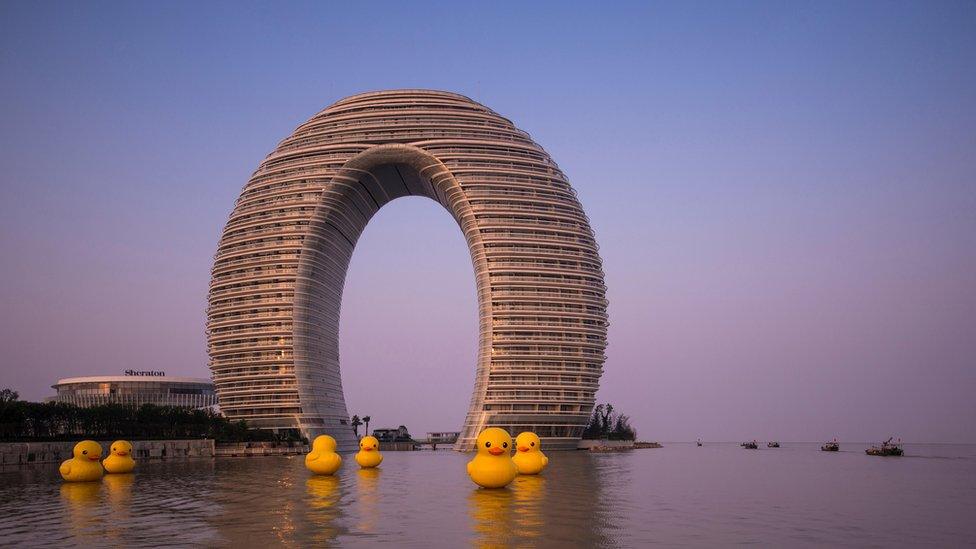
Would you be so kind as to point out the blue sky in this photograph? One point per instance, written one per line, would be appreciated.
(784, 195)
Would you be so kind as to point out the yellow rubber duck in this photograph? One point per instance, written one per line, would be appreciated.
(492, 466)
(119, 458)
(528, 454)
(84, 466)
(369, 453)
(323, 459)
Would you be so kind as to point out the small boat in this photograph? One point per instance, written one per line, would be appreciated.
(699, 442)
(831, 446)
(887, 448)
(750, 445)
(772, 444)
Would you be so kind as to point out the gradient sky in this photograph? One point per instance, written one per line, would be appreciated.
(784, 196)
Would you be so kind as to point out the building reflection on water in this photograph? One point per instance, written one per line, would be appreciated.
(258, 505)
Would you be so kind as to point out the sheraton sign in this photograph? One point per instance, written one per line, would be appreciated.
(152, 373)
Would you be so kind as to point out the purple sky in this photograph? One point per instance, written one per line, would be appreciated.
(784, 195)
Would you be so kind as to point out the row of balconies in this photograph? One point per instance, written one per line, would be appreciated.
(522, 235)
(501, 249)
(282, 356)
(288, 244)
(257, 191)
(325, 123)
(540, 306)
(552, 264)
(270, 256)
(297, 222)
(398, 135)
(422, 127)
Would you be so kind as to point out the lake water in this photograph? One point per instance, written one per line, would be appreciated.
(718, 494)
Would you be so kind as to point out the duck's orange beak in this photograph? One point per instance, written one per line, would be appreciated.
(367, 449)
(523, 448)
(90, 458)
(122, 453)
(496, 451)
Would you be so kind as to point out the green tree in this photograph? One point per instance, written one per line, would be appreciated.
(622, 429)
(356, 422)
(366, 421)
(593, 430)
(606, 423)
(28, 421)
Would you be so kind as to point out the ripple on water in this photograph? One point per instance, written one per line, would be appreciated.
(677, 495)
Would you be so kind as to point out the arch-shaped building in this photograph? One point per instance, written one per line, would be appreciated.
(273, 315)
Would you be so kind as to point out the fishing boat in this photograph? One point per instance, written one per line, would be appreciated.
(831, 446)
(772, 444)
(750, 445)
(887, 448)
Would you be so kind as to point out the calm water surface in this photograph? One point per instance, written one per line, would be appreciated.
(678, 495)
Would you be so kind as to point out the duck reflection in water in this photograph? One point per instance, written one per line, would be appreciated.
(367, 485)
(529, 492)
(84, 510)
(119, 488)
(491, 517)
(324, 492)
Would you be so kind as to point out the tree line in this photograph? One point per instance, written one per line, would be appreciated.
(22, 421)
(605, 423)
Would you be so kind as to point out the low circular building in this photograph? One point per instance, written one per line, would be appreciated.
(187, 392)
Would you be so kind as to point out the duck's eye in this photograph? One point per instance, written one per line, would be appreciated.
(504, 445)
(374, 446)
(488, 445)
(531, 444)
(84, 452)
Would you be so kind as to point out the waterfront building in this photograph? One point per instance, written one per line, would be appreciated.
(135, 390)
(280, 266)
(448, 437)
(400, 434)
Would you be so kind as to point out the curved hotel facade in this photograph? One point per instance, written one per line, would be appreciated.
(187, 392)
(278, 274)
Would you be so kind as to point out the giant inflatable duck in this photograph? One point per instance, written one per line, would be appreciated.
(492, 466)
(528, 454)
(323, 459)
(84, 466)
(369, 453)
(119, 458)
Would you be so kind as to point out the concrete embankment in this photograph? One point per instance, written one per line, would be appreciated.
(23, 453)
(615, 444)
(587, 444)
(399, 446)
(248, 449)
